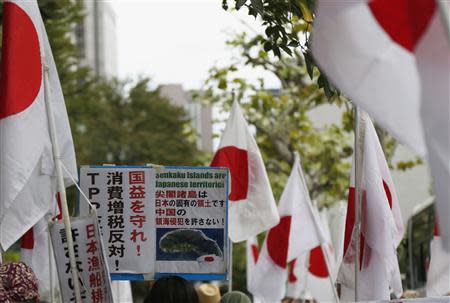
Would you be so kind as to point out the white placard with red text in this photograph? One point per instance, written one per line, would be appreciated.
(161, 220)
(90, 261)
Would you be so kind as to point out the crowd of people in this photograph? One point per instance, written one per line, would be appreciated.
(18, 284)
(174, 289)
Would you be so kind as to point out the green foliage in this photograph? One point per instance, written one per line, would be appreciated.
(282, 119)
(11, 256)
(287, 24)
(128, 123)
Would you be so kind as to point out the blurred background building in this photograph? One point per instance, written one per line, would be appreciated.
(199, 113)
(96, 37)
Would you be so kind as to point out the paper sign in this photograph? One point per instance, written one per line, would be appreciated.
(121, 196)
(161, 220)
(94, 278)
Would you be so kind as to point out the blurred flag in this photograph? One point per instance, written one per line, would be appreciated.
(438, 275)
(252, 208)
(295, 235)
(381, 227)
(336, 216)
(393, 59)
(27, 182)
(252, 254)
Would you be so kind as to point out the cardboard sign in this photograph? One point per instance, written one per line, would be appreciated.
(164, 220)
(90, 261)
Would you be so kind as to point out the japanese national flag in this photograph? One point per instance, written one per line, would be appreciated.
(296, 234)
(381, 227)
(309, 277)
(252, 254)
(392, 58)
(27, 182)
(438, 275)
(252, 208)
(35, 252)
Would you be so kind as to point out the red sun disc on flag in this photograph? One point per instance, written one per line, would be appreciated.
(405, 21)
(278, 241)
(21, 70)
(236, 160)
(317, 265)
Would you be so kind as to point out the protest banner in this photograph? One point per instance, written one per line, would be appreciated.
(90, 261)
(161, 220)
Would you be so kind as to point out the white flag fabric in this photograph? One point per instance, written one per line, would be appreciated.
(309, 277)
(295, 235)
(438, 275)
(252, 208)
(121, 291)
(252, 254)
(393, 59)
(381, 228)
(27, 182)
(35, 253)
(336, 217)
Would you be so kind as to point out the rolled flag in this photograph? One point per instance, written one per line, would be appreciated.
(438, 275)
(27, 182)
(381, 227)
(295, 235)
(252, 208)
(393, 59)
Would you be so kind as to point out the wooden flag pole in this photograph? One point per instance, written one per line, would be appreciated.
(319, 231)
(60, 185)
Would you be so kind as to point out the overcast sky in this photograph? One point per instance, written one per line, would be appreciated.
(177, 41)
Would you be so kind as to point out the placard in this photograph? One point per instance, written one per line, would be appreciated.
(93, 273)
(121, 197)
(160, 220)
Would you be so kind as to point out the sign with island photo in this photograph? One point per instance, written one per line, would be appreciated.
(160, 220)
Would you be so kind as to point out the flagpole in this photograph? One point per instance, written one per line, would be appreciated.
(60, 185)
(318, 229)
(230, 269)
(358, 166)
(443, 10)
(50, 262)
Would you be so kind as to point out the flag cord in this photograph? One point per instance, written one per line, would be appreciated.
(78, 187)
(60, 184)
(443, 10)
(316, 224)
